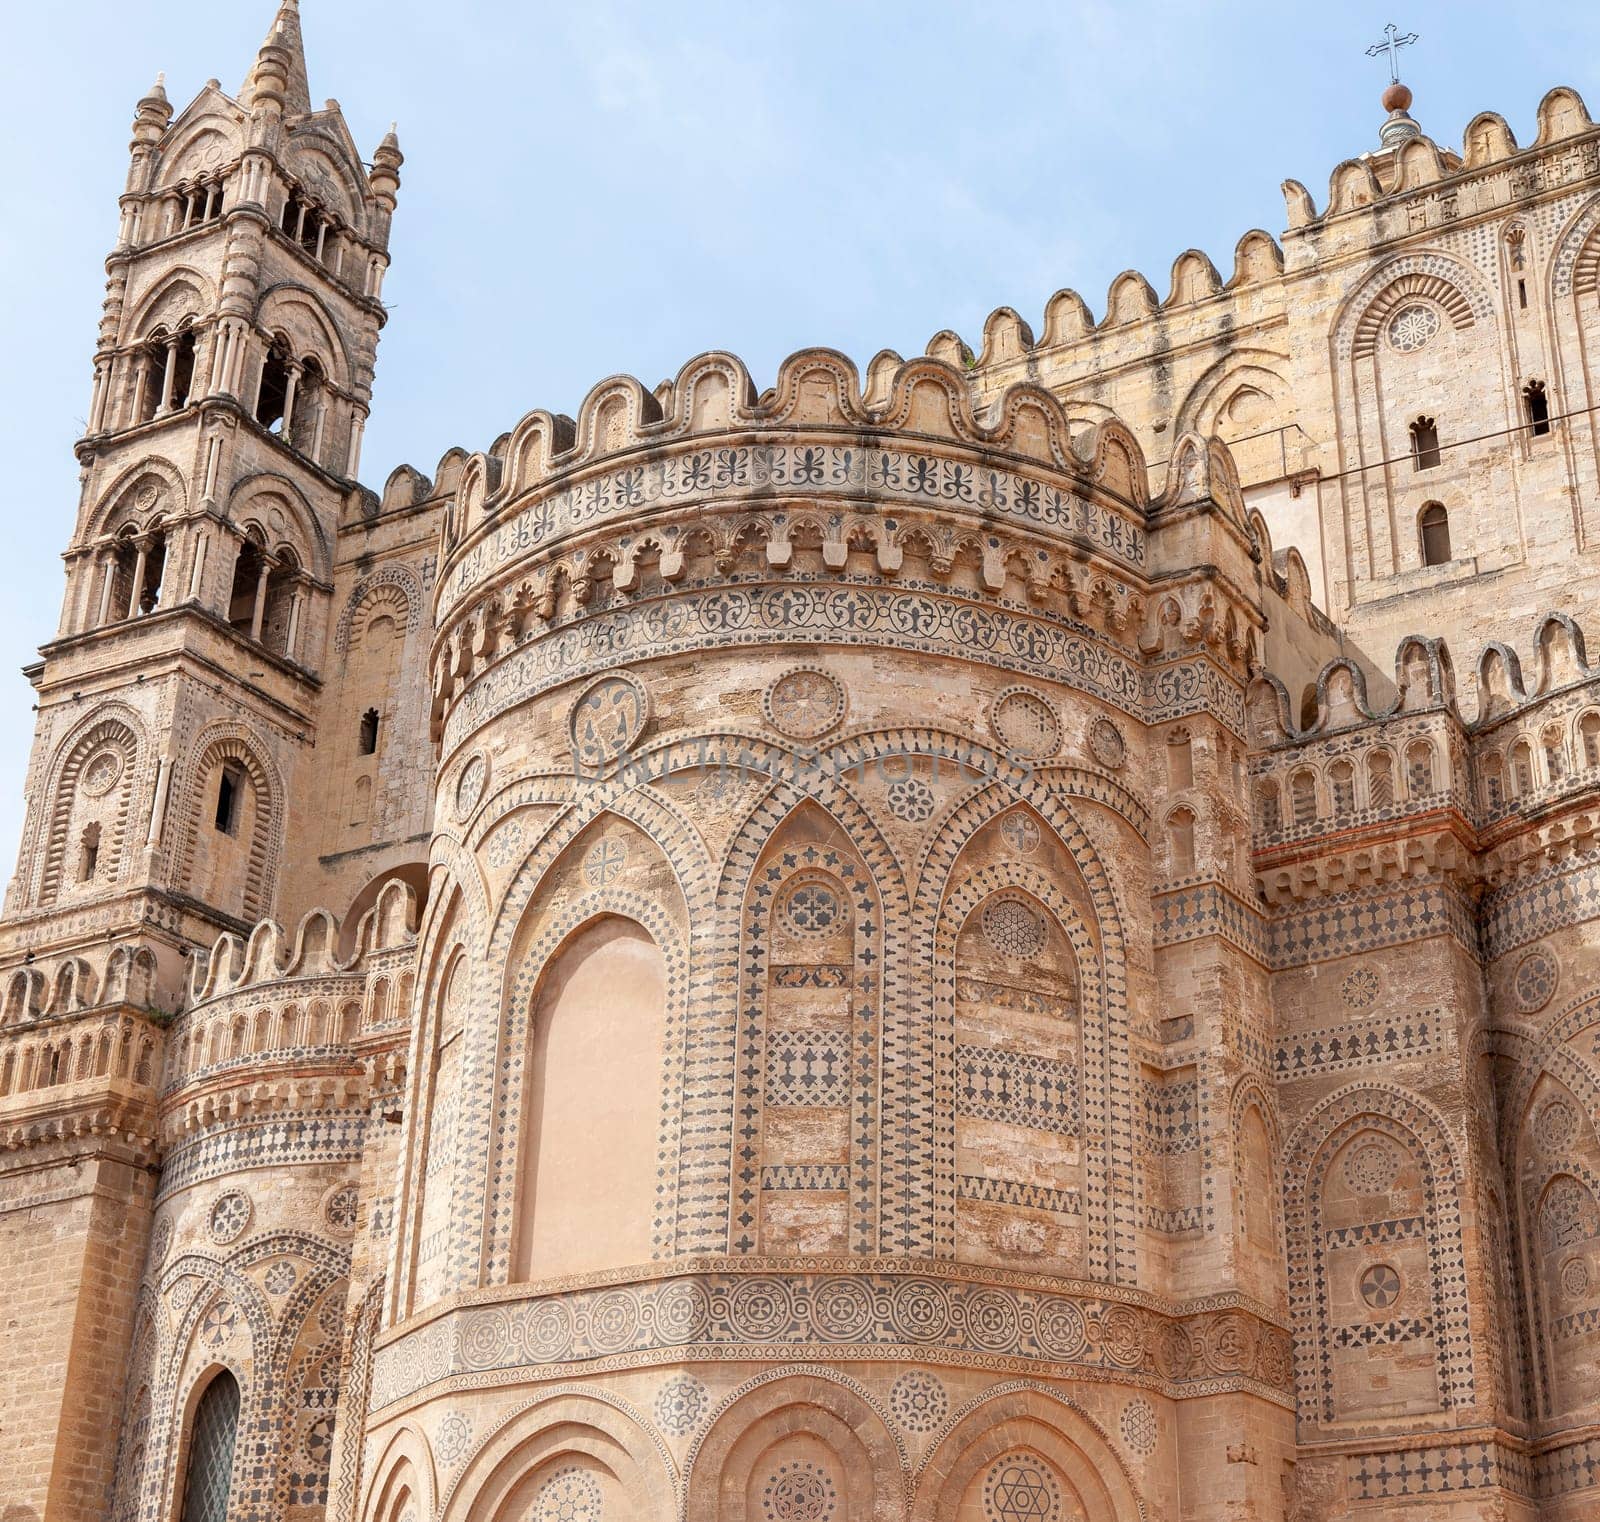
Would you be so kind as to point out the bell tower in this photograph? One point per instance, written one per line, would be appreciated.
(232, 382)
(178, 703)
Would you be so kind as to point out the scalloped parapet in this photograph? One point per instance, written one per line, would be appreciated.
(71, 985)
(1520, 776)
(268, 956)
(710, 435)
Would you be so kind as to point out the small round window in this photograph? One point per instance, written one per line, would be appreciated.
(1413, 327)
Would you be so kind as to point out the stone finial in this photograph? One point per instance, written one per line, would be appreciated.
(1400, 127)
(280, 67)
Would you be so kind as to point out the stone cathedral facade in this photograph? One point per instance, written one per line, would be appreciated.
(1013, 936)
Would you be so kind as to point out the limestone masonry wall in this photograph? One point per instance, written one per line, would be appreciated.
(1013, 934)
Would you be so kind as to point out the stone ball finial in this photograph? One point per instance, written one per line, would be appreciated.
(1397, 97)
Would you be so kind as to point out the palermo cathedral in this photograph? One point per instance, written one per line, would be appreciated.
(1012, 935)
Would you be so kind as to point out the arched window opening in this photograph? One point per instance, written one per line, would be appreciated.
(119, 600)
(89, 853)
(150, 371)
(272, 398)
(1538, 408)
(1589, 734)
(1521, 768)
(1424, 444)
(1555, 755)
(211, 1443)
(1380, 780)
(1433, 529)
(148, 597)
(305, 424)
(1180, 842)
(230, 787)
(1180, 760)
(1419, 769)
(369, 732)
(182, 366)
(1269, 809)
(1342, 782)
(248, 574)
(280, 607)
(1303, 793)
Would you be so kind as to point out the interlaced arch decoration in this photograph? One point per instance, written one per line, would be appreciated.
(1110, 1210)
(1575, 264)
(1427, 285)
(955, 910)
(559, 1408)
(114, 727)
(216, 745)
(835, 869)
(481, 1246)
(1408, 1120)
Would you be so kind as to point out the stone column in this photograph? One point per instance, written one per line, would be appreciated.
(260, 611)
(142, 555)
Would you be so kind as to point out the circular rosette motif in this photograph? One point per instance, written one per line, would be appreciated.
(991, 1319)
(613, 1320)
(804, 703)
(1025, 722)
(919, 1401)
(607, 720)
(470, 785)
(681, 1403)
(760, 1310)
(1106, 744)
(547, 1331)
(1535, 980)
(679, 1312)
(1173, 1351)
(842, 1310)
(486, 1339)
(1060, 1329)
(921, 1311)
(1230, 1345)
(1122, 1335)
(101, 774)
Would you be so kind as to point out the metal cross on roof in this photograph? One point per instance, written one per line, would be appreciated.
(1391, 44)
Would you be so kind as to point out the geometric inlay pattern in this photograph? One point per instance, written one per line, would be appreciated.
(569, 1495)
(804, 703)
(1138, 1425)
(799, 1493)
(681, 1403)
(1020, 1488)
(229, 1217)
(918, 1401)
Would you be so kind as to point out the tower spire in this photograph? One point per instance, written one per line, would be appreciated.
(283, 53)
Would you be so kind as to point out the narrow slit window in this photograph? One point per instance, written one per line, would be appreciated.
(89, 854)
(229, 783)
(369, 732)
(1522, 295)
(1538, 407)
(1424, 444)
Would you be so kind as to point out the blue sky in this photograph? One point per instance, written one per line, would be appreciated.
(619, 186)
